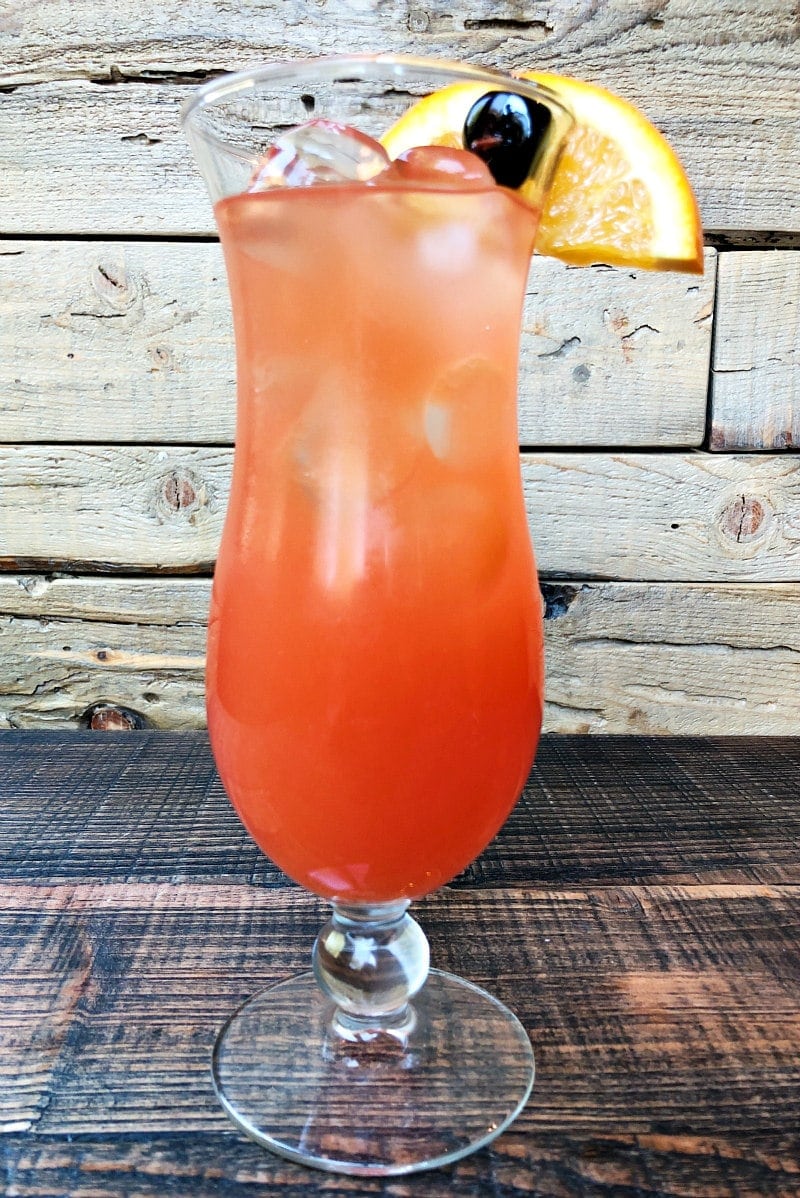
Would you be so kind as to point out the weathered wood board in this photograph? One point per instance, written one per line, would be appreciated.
(125, 150)
(614, 357)
(755, 393)
(71, 643)
(621, 657)
(595, 811)
(660, 658)
(117, 366)
(115, 342)
(665, 516)
(549, 1165)
(133, 342)
(648, 516)
(633, 912)
(113, 506)
(675, 996)
(78, 38)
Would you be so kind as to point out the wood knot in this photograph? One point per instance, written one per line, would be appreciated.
(180, 493)
(161, 358)
(114, 286)
(111, 717)
(418, 20)
(615, 320)
(745, 518)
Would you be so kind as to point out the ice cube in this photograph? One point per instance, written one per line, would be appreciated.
(437, 421)
(319, 152)
(456, 524)
(467, 415)
(344, 441)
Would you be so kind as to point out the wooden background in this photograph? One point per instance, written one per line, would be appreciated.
(658, 413)
(640, 911)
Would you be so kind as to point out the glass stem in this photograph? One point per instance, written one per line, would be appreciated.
(371, 961)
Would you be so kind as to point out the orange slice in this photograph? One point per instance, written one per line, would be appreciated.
(619, 194)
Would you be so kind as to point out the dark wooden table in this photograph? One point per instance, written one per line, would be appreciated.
(640, 912)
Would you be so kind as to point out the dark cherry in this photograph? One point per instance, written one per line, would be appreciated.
(507, 132)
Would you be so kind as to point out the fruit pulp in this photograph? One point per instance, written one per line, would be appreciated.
(374, 677)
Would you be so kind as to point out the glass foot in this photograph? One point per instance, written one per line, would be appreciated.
(443, 1082)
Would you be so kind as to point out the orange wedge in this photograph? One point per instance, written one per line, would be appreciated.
(619, 194)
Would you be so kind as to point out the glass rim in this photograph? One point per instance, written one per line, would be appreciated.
(238, 83)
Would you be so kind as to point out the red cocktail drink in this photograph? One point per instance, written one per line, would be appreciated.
(374, 672)
(375, 657)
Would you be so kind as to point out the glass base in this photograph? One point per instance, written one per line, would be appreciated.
(444, 1083)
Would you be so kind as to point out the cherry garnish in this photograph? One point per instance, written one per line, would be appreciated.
(507, 132)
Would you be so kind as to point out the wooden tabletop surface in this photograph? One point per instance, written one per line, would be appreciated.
(640, 912)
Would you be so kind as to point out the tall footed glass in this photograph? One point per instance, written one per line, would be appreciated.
(375, 676)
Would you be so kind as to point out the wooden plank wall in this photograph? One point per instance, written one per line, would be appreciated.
(658, 413)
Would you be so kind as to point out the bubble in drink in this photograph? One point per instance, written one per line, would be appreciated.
(319, 152)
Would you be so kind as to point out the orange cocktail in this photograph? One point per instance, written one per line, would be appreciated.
(375, 649)
(375, 645)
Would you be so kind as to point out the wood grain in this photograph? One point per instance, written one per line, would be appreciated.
(662, 658)
(674, 994)
(656, 517)
(549, 1165)
(664, 1017)
(115, 341)
(755, 396)
(112, 507)
(647, 516)
(75, 38)
(596, 811)
(132, 342)
(674, 62)
(613, 357)
(70, 644)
